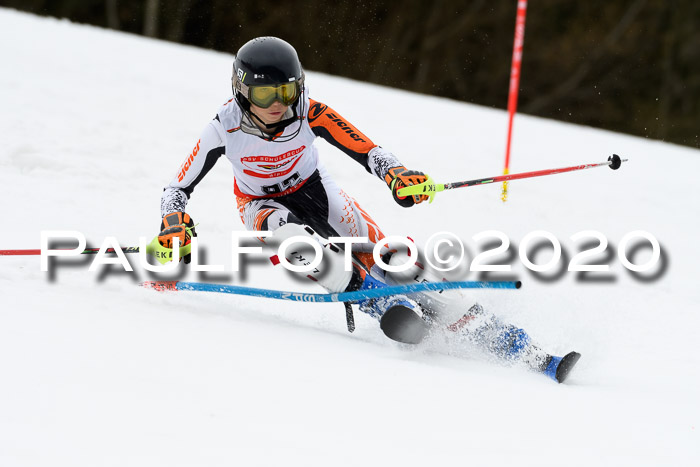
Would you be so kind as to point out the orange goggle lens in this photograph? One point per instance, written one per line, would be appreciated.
(264, 96)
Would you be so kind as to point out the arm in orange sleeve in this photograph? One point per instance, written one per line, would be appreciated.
(326, 123)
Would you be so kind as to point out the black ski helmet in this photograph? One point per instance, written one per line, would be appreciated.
(265, 61)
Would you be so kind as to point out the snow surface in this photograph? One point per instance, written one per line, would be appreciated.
(97, 371)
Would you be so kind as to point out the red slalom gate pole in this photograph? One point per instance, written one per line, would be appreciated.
(518, 42)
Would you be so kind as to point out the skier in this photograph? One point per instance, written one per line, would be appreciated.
(266, 130)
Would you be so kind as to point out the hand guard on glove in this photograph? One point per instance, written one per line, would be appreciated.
(400, 177)
(180, 225)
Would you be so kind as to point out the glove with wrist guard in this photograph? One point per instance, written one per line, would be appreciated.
(180, 225)
(400, 177)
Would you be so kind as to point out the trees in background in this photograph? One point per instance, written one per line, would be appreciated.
(630, 66)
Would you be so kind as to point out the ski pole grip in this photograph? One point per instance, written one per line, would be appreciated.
(428, 188)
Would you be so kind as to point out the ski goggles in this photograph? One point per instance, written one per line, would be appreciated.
(264, 96)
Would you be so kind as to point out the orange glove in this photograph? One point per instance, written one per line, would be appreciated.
(180, 225)
(400, 177)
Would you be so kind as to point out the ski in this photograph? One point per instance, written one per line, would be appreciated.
(328, 297)
(87, 251)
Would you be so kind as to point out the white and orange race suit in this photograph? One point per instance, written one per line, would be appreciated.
(279, 179)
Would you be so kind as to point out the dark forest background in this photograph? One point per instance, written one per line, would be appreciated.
(626, 65)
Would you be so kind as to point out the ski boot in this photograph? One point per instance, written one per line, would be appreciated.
(511, 343)
(514, 344)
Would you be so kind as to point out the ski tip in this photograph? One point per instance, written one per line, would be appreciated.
(404, 325)
(566, 365)
(518, 284)
(160, 286)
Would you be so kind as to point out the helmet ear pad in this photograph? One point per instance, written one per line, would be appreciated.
(242, 100)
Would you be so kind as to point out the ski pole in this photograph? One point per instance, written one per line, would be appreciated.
(430, 188)
(87, 251)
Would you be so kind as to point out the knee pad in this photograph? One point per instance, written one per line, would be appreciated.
(443, 302)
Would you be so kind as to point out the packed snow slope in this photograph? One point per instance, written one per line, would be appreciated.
(97, 371)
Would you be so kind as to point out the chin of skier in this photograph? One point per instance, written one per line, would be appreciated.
(267, 130)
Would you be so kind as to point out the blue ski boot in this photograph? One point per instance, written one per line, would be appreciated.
(515, 345)
(511, 343)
